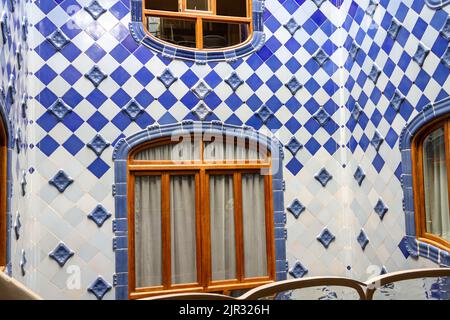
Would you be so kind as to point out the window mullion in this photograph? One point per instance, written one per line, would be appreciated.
(205, 228)
(238, 226)
(199, 33)
(166, 234)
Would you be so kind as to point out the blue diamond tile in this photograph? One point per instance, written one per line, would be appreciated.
(61, 181)
(321, 57)
(394, 28)
(322, 117)
(17, 226)
(133, 109)
(372, 7)
(61, 254)
(421, 54)
(377, 141)
(23, 183)
(323, 177)
(59, 109)
(296, 208)
(357, 111)
(73, 145)
(95, 9)
(362, 239)
(294, 146)
(354, 50)
(374, 74)
(98, 144)
(201, 111)
(234, 81)
(359, 175)
(23, 262)
(326, 237)
(446, 57)
(58, 40)
(99, 215)
(98, 168)
(201, 90)
(445, 31)
(264, 113)
(381, 209)
(99, 288)
(318, 2)
(294, 85)
(96, 76)
(298, 270)
(292, 26)
(397, 100)
(167, 78)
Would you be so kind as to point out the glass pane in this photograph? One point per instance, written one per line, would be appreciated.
(203, 5)
(221, 149)
(147, 213)
(176, 31)
(254, 221)
(437, 288)
(182, 151)
(183, 229)
(223, 253)
(165, 5)
(436, 185)
(222, 35)
(236, 8)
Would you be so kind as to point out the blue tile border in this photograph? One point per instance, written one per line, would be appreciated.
(437, 4)
(410, 243)
(255, 43)
(120, 157)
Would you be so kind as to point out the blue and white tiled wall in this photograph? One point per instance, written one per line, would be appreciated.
(302, 85)
(14, 106)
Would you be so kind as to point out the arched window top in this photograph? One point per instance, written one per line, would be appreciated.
(199, 30)
(424, 146)
(204, 148)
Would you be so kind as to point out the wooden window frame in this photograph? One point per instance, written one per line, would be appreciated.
(199, 16)
(202, 170)
(419, 182)
(3, 195)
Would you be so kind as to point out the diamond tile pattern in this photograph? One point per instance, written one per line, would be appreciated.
(61, 254)
(353, 37)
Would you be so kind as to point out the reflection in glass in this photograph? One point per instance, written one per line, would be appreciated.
(223, 253)
(183, 229)
(177, 31)
(147, 213)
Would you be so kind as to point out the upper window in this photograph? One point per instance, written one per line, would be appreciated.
(3, 194)
(201, 216)
(199, 24)
(431, 172)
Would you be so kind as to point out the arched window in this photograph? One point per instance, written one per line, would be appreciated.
(3, 194)
(431, 177)
(200, 215)
(200, 24)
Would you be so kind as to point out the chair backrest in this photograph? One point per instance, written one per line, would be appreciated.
(11, 289)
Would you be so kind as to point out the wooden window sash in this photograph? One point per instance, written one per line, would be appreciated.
(419, 181)
(199, 16)
(202, 173)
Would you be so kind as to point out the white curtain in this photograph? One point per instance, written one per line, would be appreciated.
(220, 150)
(148, 238)
(253, 211)
(223, 253)
(183, 151)
(183, 229)
(436, 185)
